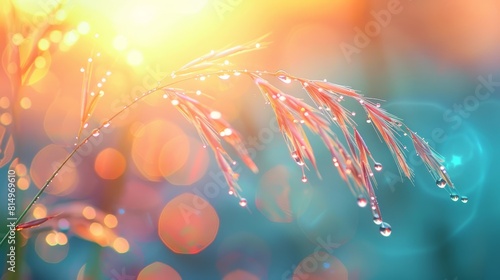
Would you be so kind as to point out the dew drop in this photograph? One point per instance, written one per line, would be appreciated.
(231, 191)
(297, 159)
(377, 166)
(454, 196)
(284, 78)
(224, 76)
(96, 132)
(368, 121)
(464, 199)
(385, 229)
(243, 202)
(85, 125)
(175, 102)
(376, 219)
(353, 114)
(362, 202)
(106, 124)
(441, 183)
(304, 179)
(377, 105)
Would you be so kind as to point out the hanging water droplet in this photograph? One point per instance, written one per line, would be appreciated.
(454, 196)
(304, 179)
(385, 229)
(376, 219)
(378, 166)
(224, 76)
(368, 121)
(362, 202)
(284, 77)
(243, 202)
(464, 199)
(441, 183)
(106, 124)
(231, 191)
(96, 132)
(297, 159)
(353, 114)
(85, 125)
(377, 105)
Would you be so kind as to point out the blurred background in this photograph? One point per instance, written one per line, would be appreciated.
(144, 200)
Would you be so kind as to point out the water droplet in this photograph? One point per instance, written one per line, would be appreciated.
(362, 202)
(377, 105)
(353, 114)
(85, 125)
(106, 124)
(236, 73)
(378, 166)
(175, 102)
(385, 229)
(376, 219)
(224, 76)
(297, 159)
(464, 199)
(231, 191)
(243, 202)
(165, 95)
(198, 92)
(215, 115)
(368, 121)
(361, 101)
(96, 132)
(284, 77)
(441, 183)
(304, 179)
(202, 78)
(454, 196)
(82, 69)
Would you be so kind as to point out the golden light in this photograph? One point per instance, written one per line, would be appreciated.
(4, 102)
(83, 28)
(17, 39)
(120, 42)
(6, 118)
(121, 245)
(23, 183)
(45, 247)
(21, 169)
(25, 103)
(39, 211)
(134, 57)
(55, 36)
(40, 62)
(96, 229)
(110, 221)
(186, 6)
(89, 212)
(43, 44)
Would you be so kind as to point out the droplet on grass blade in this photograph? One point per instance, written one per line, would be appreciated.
(224, 76)
(464, 199)
(243, 202)
(96, 132)
(454, 197)
(385, 229)
(378, 166)
(304, 179)
(362, 201)
(376, 219)
(441, 183)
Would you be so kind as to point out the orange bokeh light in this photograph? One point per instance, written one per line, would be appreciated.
(45, 163)
(188, 224)
(158, 271)
(110, 164)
